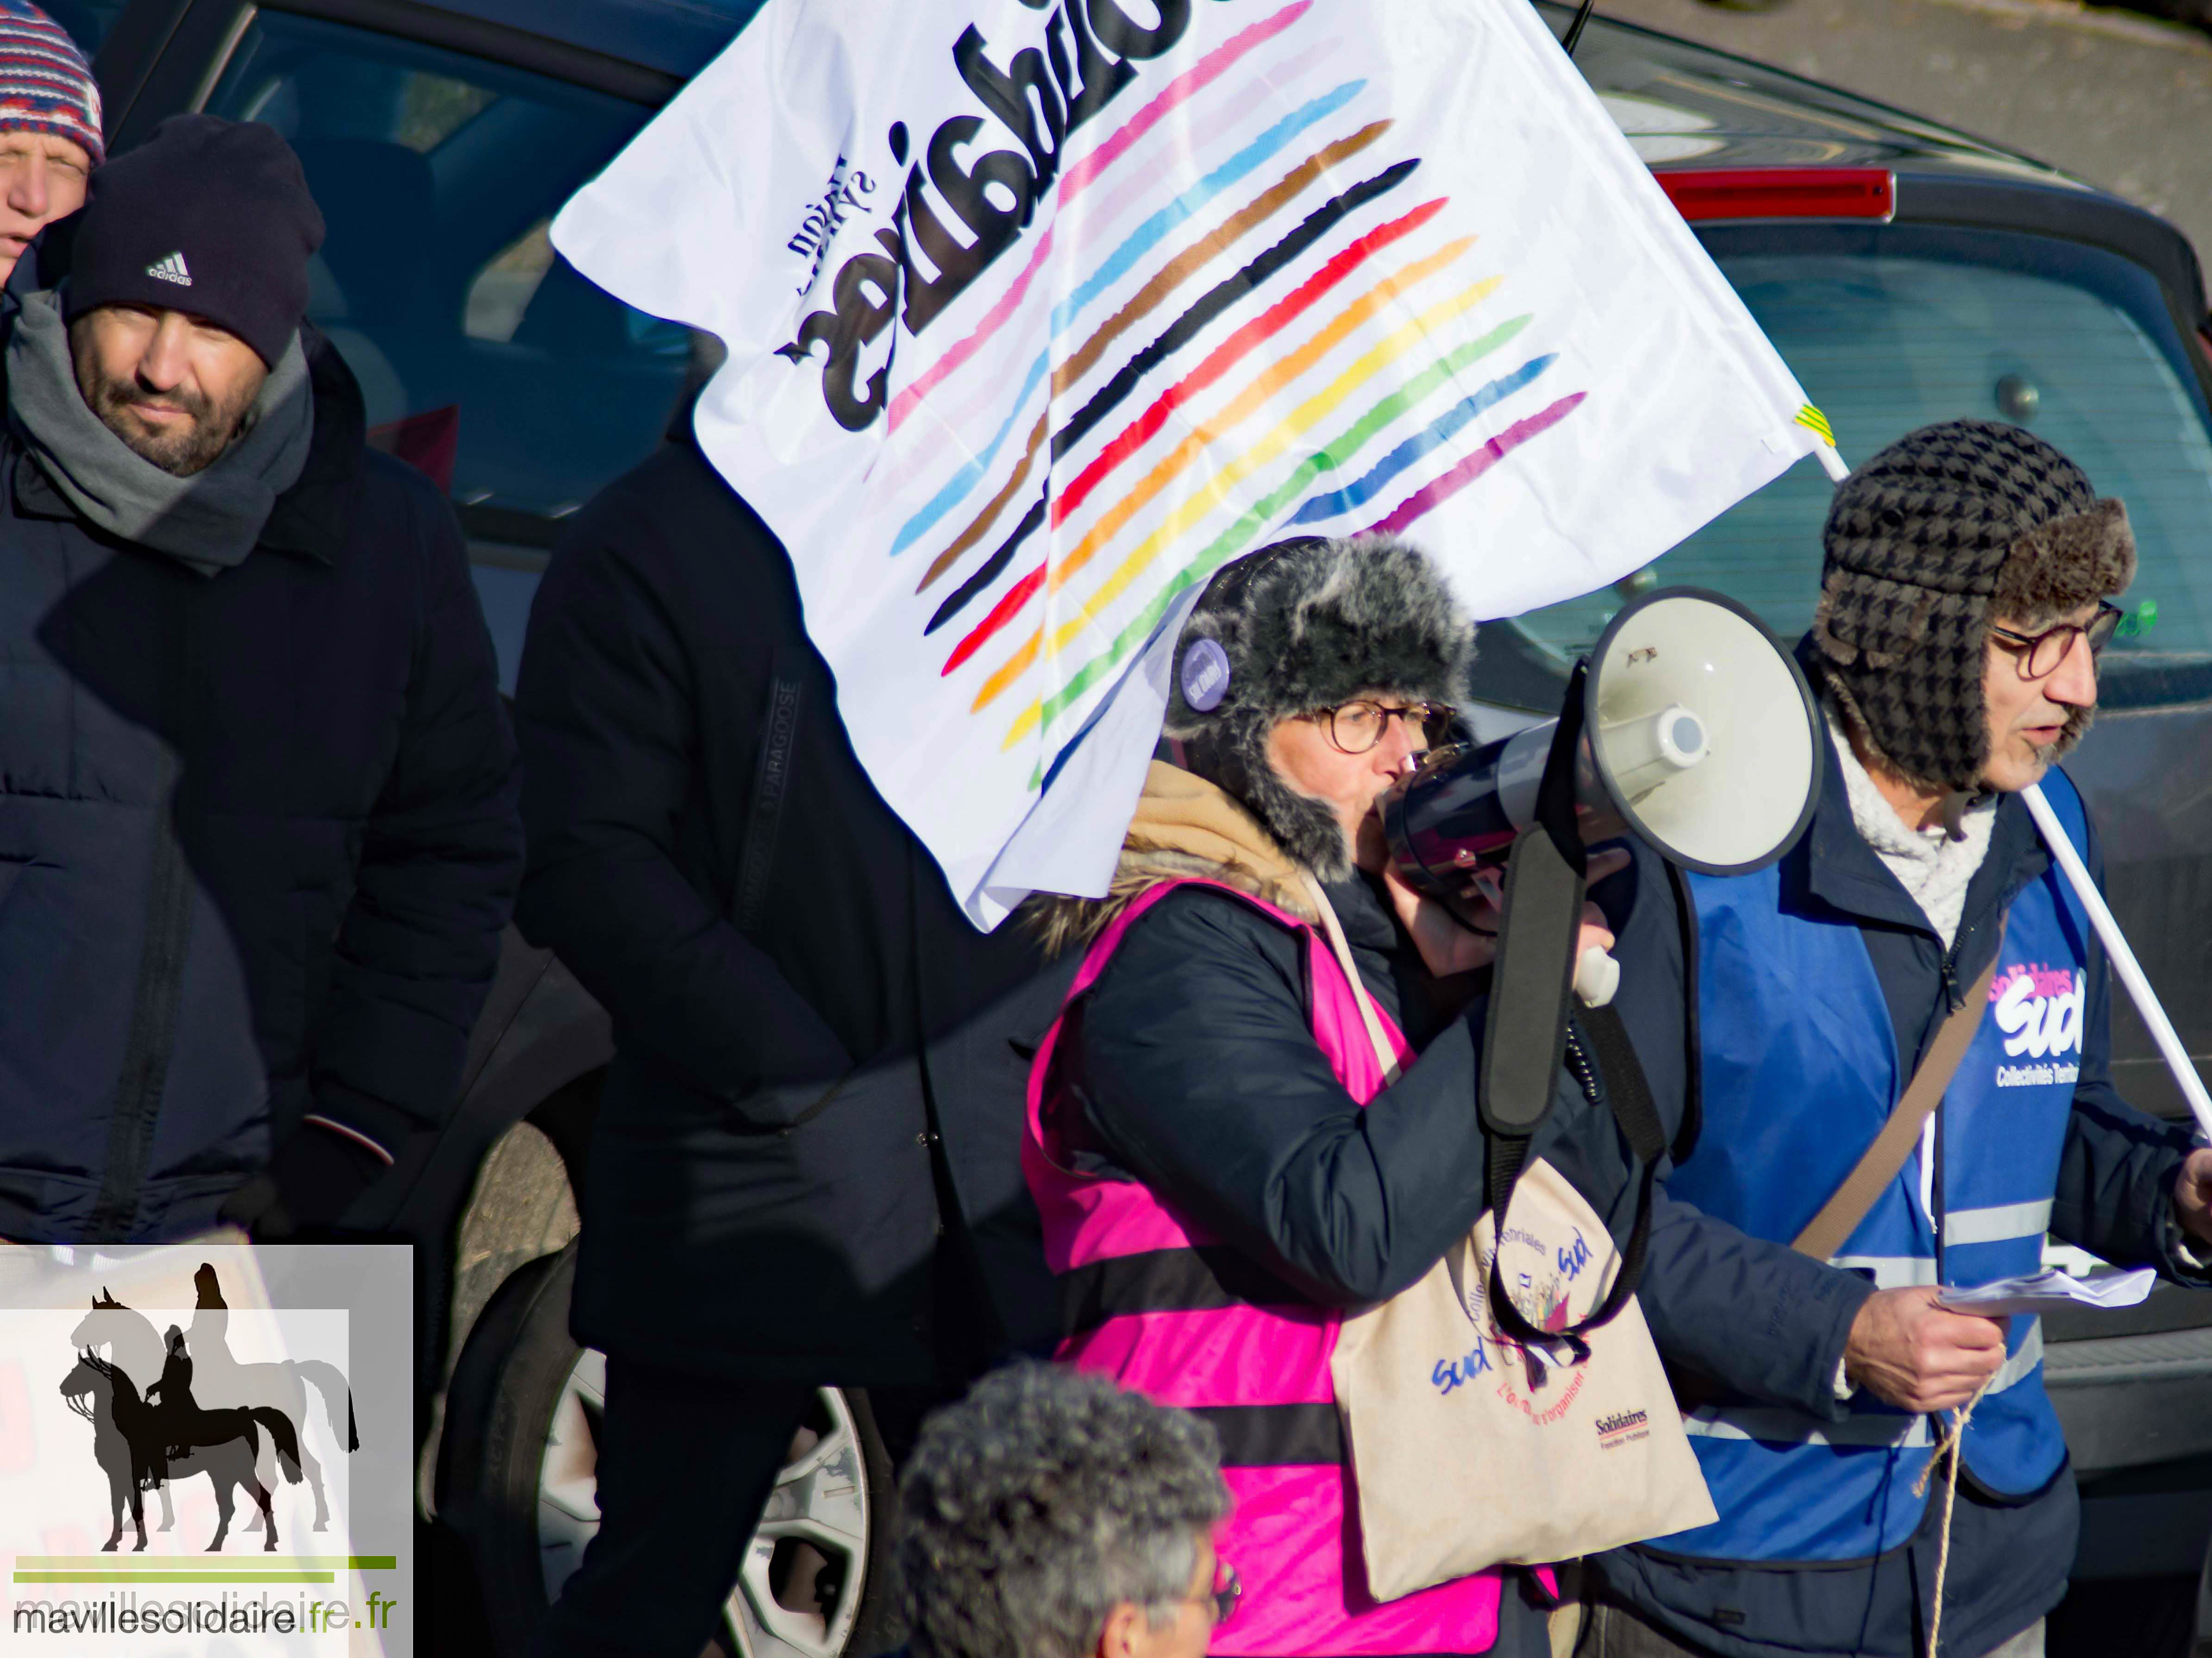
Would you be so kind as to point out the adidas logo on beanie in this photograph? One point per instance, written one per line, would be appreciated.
(233, 189)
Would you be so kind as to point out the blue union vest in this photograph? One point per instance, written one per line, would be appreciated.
(1800, 1071)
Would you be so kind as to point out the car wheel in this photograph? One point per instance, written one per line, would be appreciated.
(518, 1475)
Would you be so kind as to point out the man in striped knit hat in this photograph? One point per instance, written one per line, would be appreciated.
(49, 126)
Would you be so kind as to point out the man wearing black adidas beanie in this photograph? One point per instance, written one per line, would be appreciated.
(257, 831)
(231, 196)
(1794, 1284)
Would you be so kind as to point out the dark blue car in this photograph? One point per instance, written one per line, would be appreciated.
(1908, 274)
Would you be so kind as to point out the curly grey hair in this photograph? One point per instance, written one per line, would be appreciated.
(1041, 1502)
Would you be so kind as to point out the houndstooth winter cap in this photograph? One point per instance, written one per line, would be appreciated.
(1947, 529)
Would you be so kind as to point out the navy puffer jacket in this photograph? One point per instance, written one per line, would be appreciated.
(258, 837)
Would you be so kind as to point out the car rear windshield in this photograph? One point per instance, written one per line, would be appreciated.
(2073, 344)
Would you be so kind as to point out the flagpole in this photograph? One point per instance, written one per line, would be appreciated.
(2124, 959)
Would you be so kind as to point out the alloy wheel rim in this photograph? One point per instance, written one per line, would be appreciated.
(805, 1571)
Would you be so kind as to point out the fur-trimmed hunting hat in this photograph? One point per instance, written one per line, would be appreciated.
(1302, 625)
(1947, 529)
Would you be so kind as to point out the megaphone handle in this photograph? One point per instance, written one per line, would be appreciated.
(1597, 976)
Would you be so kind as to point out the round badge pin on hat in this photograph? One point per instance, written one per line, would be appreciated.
(1205, 674)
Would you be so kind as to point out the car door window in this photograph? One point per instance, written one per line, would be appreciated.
(482, 355)
(2071, 343)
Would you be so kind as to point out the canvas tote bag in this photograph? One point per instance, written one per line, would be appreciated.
(1464, 1454)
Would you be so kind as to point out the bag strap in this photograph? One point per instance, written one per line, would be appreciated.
(1629, 1093)
(1341, 947)
(1839, 1217)
(1633, 1108)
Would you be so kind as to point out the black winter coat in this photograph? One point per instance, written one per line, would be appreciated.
(1201, 1076)
(809, 1036)
(1761, 1322)
(258, 837)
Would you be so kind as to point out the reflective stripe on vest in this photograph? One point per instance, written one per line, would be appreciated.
(1153, 1300)
(1794, 1016)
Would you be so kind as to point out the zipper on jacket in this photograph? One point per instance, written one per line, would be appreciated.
(1949, 968)
(145, 1070)
(143, 1076)
(1578, 1062)
(771, 784)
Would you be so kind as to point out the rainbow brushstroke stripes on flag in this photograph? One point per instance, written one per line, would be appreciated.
(1115, 292)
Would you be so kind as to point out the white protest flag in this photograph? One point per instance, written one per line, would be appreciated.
(1040, 311)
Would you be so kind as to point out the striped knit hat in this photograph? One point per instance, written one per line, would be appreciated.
(46, 84)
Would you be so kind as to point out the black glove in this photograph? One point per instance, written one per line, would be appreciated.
(312, 1180)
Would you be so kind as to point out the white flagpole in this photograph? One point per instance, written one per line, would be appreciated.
(2124, 959)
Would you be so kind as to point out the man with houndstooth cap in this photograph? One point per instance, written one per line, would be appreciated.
(1965, 596)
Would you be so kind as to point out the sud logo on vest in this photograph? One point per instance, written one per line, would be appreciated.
(2038, 1012)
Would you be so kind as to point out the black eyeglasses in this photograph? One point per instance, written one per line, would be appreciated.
(1223, 1596)
(1356, 727)
(2041, 654)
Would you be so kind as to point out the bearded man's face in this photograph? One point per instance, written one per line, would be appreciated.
(174, 387)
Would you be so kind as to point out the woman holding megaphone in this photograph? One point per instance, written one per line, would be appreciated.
(1256, 1118)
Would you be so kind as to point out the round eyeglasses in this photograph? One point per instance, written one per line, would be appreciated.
(1356, 727)
(2039, 654)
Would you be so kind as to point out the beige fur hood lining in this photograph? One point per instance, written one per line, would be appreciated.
(1185, 828)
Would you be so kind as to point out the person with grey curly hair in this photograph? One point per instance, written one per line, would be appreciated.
(1050, 1515)
(1223, 1170)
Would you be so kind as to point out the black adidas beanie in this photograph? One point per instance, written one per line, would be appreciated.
(1947, 529)
(208, 215)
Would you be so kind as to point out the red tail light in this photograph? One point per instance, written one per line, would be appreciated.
(1781, 192)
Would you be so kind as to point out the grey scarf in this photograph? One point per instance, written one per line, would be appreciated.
(208, 521)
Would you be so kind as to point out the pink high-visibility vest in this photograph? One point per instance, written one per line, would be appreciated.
(1153, 1300)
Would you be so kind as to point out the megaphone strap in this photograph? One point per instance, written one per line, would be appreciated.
(1529, 1004)
(1629, 1095)
(1524, 1036)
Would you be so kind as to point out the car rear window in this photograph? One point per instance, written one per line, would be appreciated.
(2079, 352)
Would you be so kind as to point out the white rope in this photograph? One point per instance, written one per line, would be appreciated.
(1951, 1447)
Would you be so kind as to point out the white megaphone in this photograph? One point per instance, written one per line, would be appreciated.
(1699, 736)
